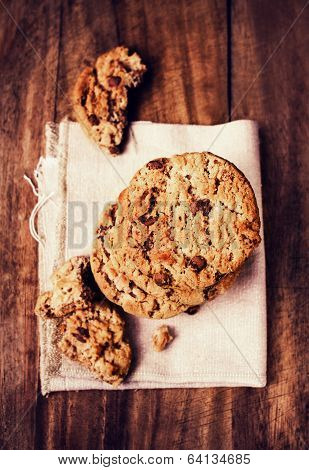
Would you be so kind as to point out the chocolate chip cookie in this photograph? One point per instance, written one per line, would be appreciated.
(73, 287)
(177, 235)
(100, 96)
(94, 338)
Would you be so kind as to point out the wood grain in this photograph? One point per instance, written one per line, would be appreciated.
(28, 97)
(205, 60)
(273, 71)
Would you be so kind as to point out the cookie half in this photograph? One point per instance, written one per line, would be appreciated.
(73, 287)
(100, 96)
(177, 235)
(94, 338)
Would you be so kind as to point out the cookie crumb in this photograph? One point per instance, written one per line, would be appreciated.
(161, 338)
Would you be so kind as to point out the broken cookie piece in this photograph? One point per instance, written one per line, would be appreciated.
(100, 96)
(161, 338)
(94, 338)
(73, 287)
(91, 332)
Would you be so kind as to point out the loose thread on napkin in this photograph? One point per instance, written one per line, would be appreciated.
(34, 189)
(40, 203)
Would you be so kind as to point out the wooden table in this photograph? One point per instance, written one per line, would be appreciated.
(211, 61)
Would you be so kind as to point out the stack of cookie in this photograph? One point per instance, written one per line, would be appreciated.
(91, 330)
(177, 236)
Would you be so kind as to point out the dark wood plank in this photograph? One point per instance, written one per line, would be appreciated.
(274, 418)
(170, 419)
(27, 97)
(185, 47)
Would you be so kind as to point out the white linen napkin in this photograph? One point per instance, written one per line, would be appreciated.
(224, 344)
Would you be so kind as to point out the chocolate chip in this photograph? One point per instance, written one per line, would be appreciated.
(83, 331)
(152, 200)
(207, 291)
(113, 81)
(217, 184)
(169, 293)
(219, 276)
(101, 230)
(103, 348)
(162, 279)
(79, 337)
(148, 244)
(198, 263)
(147, 221)
(158, 164)
(112, 116)
(84, 97)
(107, 279)
(192, 310)
(112, 213)
(113, 150)
(94, 120)
(202, 205)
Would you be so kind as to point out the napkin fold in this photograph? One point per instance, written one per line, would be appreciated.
(224, 344)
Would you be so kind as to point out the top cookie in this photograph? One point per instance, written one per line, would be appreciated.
(100, 96)
(181, 226)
